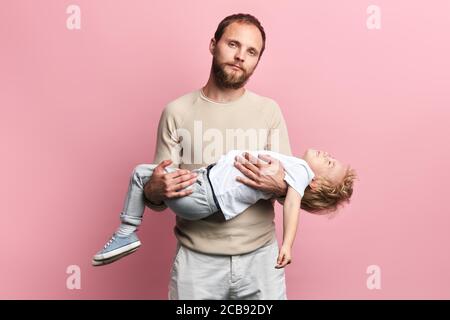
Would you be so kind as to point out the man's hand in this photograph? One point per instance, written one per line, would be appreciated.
(263, 173)
(163, 185)
(284, 257)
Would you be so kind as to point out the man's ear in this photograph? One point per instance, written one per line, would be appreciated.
(212, 46)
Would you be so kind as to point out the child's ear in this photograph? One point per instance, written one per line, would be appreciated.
(314, 185)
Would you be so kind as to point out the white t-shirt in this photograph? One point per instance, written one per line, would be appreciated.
(234, 196)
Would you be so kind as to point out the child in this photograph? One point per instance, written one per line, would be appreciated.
(317, 183)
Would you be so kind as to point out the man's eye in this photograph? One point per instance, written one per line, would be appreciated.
(232, 44)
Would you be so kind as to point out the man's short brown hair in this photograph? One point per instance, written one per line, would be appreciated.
(242, 18)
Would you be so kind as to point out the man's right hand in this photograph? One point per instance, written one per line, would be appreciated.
(163, 185)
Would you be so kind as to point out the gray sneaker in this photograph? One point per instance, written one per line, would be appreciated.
(116, 248)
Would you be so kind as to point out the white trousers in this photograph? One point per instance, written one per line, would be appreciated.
(252, 276)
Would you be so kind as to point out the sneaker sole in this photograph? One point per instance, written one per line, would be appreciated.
(97, 263)
(118, 251)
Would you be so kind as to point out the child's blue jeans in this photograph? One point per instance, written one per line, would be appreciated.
(197, 205)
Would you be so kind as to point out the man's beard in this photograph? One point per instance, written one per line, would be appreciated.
(228, 80)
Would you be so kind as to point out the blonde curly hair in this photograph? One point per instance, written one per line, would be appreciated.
(328, 196)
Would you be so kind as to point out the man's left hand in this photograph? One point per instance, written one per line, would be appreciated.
(263, 173)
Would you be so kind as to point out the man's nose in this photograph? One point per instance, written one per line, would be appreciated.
(239, 56)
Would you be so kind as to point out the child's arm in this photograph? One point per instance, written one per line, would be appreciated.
(291, 211)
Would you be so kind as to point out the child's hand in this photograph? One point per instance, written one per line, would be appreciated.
(284, 257)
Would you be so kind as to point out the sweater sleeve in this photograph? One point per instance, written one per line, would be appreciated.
(278, 137)
(167, 147)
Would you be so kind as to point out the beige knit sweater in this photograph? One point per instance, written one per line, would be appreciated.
(195, 131)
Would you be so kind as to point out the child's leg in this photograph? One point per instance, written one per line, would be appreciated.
(134, 206)
(192, 207)
(125, 240)
(196, 205)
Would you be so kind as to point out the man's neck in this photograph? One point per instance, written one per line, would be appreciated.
(222, 95)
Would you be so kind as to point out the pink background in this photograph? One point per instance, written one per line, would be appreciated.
(79, 109)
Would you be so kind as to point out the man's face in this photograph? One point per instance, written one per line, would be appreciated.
(236, 55)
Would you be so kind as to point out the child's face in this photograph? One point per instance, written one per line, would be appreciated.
(322, 164)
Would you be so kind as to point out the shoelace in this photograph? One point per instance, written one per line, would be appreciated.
(109, 242)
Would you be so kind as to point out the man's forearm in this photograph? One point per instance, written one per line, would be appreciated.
(283, 189)
(155, 207)
(281, 194)
(147, 195)
(155, 203)
(152, 203)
